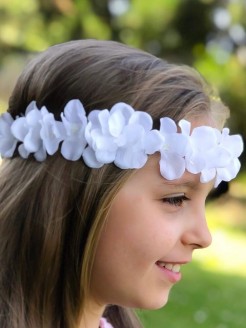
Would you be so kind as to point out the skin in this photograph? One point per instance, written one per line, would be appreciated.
(151, 220)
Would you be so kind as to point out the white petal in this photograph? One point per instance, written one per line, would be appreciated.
(126, 159)
(7, 147)
(143, 119)
(32, 141)
(93, 118)
(207, 175)
(74, 111)
(44, 111)
(153, 142)
(33, 117)
(31, 106)
(105, 156)
(218, 157)
(103, 142)
(172, 166)
(235, 144)
(116, 123)
(51, 145)
(23, 152)
(20, 128)
(134, 134)
(185, 127)
(72, 150)
(103, 118)
(204, 137)
(6, 121)
(195, 163)
(90, 158)
(167, 125)
(230, 172)
(177, 143)
(40, 155)
(88, 136)
(123, 108)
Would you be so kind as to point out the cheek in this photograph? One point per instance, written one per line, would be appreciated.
(137, 233)
(135, 236)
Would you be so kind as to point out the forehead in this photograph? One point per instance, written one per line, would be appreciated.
(150, 175)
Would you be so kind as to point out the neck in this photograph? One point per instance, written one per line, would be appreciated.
(91, 315)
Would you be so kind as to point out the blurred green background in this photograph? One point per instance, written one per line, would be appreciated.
(209, 35)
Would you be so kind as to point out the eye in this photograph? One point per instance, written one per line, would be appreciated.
(177, 200)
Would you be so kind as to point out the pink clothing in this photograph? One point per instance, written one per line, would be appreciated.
(105, 324)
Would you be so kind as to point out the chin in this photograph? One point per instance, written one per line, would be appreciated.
(152, 303)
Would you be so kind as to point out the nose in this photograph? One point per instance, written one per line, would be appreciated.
(197, 233)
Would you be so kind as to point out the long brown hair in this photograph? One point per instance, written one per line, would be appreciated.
(51, 213)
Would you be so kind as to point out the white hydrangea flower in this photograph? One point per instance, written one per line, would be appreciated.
(51, 132)
(173, 150)
(74, 120)
(124, 137)
(199, 156)
(7, 141)
(38, 131)
(222, 160)
(118, 136)
(212, 153)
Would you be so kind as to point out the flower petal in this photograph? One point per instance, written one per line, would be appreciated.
(116, 123)
(235, 144)
(32, 141)
(126, 159)
(74, 111)
(153, 142)
(172, 166)
(103, 118)
(90, 158)
(23, 152)
(123, 108)
(229, 172)
(31, 106)
(185, 127)
(72, 150)
(207, 175)
(167, 125)
(105, 156)
(40, 155)
(204, 137)
(143, 119)
(7, 147)
(19, 128)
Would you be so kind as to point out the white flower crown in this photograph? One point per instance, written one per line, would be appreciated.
(124, 137)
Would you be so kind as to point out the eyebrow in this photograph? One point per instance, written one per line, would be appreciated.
(187, 184)
(190, 184)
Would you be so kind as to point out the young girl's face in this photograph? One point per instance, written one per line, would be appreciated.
(151, 231)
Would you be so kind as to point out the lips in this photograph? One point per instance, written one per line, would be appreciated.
(174, 267)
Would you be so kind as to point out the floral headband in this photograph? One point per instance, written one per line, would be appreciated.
(122, 136)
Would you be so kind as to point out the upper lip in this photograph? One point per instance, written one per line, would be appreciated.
(174, 262)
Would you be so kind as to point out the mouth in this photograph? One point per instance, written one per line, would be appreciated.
(171, 271)
(174, 267)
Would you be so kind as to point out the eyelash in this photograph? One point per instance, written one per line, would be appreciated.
(175, 200)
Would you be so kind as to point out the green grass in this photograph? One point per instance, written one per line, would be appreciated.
(212, 293)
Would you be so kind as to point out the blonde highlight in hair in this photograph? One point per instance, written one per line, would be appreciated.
(52, 213)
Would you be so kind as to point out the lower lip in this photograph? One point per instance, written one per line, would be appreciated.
(173, 277)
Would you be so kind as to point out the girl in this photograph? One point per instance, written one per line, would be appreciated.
(103, 184)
